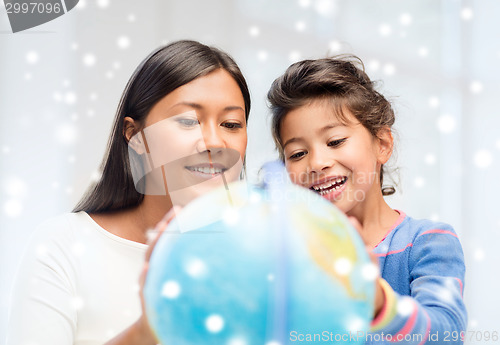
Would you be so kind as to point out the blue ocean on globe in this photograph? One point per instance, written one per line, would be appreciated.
(264, 264)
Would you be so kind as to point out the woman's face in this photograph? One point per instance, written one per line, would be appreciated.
(194, 138)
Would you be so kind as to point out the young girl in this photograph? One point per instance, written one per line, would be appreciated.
(180, 128)
(333, 132)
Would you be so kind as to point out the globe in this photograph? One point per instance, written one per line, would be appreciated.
(265, 264)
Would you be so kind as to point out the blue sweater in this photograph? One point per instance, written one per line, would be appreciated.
(423, 262)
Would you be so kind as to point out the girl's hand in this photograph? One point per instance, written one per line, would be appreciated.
(379, 293)
(143, 326)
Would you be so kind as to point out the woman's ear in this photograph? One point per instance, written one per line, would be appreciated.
(133, 136)
(385, 144)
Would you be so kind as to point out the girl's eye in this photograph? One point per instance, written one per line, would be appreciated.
(232, 125)
(335, 143)
(297, 155)
(187, 122)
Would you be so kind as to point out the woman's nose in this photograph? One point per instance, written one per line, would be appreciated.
(211, 139)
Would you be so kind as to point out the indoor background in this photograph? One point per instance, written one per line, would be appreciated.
(437, 60)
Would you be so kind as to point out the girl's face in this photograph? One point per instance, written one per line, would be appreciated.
(338, 161)
(194, 138)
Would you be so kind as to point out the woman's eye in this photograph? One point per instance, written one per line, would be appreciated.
(232, 125)
(186, 122)
(297, 155)
(335, 143)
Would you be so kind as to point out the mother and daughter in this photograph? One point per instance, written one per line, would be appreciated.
(184, 115)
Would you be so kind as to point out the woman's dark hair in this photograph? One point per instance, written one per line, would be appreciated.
(339, 81)
(163, 71)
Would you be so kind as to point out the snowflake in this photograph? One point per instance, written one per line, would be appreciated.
(77, 303)
(13, 208)
(423, 51)
(81, 5)
(32, 57)
(171, 289)
(434, 102)
(294, 56)
(479, 254)
(15, 187)
(335, 46)
(123, 42)
(385, 29)
(254, 31)
(324, 7)
(103, 3)
(304, 3)
(262, 55)
(196, 268)
(89, 60)
(237, 341)
(405, 306)
(466, 13)
(419, 182)
(405, 19)
(214, 323)
(70, 98)
(373, 65)
(476, 87)
(483, 159)
(446, 123)
(66, 134)
(343, 266)
(231, 216)
(389, 69)
(430, 159)
(300, 26)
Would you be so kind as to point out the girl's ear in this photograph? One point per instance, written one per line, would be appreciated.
(132, 135)
(385, 143)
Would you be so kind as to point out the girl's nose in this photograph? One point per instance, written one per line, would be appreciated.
(319, 161)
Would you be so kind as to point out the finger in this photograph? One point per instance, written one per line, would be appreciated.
(142, 282)
(142, 277)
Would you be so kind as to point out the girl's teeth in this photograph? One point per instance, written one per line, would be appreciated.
(324, 188)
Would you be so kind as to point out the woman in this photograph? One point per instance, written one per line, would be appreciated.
(180, 129)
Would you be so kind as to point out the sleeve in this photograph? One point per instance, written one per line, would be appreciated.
(435, 312)
(43, 307)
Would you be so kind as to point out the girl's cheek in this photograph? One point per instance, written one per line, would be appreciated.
(293, 174)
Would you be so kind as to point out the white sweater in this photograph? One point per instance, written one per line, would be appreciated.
(77, 284)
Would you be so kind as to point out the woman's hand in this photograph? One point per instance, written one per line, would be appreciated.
(379, 292)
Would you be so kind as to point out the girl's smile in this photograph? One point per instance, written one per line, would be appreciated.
(330, 187)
